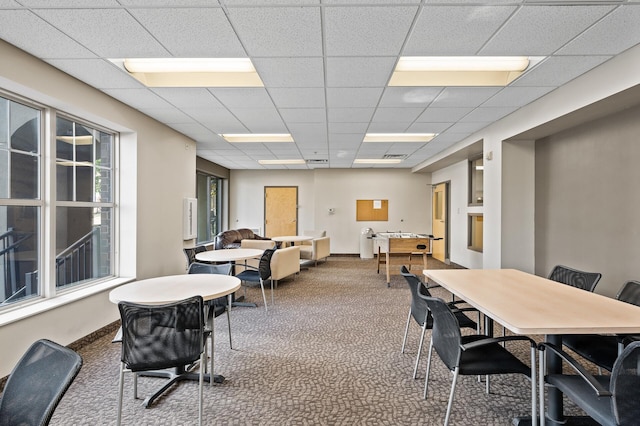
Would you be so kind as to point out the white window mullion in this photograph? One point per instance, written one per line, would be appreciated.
(48, 183)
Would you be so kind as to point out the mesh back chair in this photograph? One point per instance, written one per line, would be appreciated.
(602, 350)
(260, 274)
(610, 399)
(420, 312)
(216, 307)
(575, 278)
(156, 337)
(190, 253)
(476, 355)
(37, 384)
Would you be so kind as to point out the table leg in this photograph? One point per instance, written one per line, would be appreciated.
(387, 265)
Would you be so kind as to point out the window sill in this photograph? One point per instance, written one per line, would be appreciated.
(43, 305)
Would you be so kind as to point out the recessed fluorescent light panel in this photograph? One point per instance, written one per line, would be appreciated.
(376, 161)
(458, 70)
(192, 72)
(257, 137)
(398, 137)
(281, 162)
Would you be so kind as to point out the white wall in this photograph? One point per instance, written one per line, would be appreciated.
(616, 75)
(409, 196)
(159, 172)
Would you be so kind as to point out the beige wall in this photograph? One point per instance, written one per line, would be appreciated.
(157, 172)
(409, 196)
(588, 198)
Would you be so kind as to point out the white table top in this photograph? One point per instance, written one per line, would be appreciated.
(173, 288)
(229, 255)
(292, 238)
(528, 304)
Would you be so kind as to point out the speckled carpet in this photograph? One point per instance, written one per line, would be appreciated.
(327, 353)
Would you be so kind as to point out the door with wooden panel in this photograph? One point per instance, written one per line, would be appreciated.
(280, 210)
(439, 219)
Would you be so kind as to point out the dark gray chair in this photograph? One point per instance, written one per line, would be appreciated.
(190, 253)
(216, 307)
(602, 350)
(37, 384)
(609, 399)
(476, 355)
(420, 312)
(574, 277)
(260, 274)
(157, 337)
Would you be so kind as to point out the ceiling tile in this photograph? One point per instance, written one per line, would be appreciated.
(348, 128)
(541, 30)
(409, 96)
(70, 3)
(168, 115)
(359, 72)
(429, 127)
(278, 31)
(138, 98)
(27, 31)
(615, 33)
(290, 72)
(352, 97)
(208, 34)
(516, 96)
(349, 115)
(165, 3)
(110, 33)
(386, 115)
(464, 97)
(455, 30)
(98, 73)
(261, 120)
(242, 97)
(298, 98)
(443, 114)
(558, 70)
(303, 115)
(389, 127)
(374, 31)
(188, 97)
(487, 115)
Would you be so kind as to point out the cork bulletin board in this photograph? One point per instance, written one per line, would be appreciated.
(370, 210)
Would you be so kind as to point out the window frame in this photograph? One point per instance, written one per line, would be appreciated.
(48, 290)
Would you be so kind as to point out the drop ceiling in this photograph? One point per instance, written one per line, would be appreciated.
(325, 65)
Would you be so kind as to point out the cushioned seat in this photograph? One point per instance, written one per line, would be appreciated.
(317, 249)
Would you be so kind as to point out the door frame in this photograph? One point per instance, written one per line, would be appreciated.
(264, 205)
(447, 216)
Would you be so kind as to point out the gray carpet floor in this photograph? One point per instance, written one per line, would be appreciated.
(327, 353)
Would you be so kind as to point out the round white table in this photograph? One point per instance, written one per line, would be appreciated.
(293, 239)
(173, 288)
(229, 255)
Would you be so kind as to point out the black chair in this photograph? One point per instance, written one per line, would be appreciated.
(260, 274)
(609, 399)
(574, 277)
(420, 312)
(157, 337)
(602, 350)
(37, 384)
(216, 307)
(476, 354)
(190, 253)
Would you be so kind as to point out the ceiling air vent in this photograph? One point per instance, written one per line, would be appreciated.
(317, 161)
(394, 156)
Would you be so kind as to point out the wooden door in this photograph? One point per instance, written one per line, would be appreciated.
(439, 219)
(280, 210)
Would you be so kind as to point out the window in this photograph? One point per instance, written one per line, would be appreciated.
(476, 178)
(475, 231)
(47, 250)
(209, 195)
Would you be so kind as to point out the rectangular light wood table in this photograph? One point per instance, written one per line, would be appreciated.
(529, 304)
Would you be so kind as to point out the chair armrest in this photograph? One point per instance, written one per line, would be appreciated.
(582, 372)
(490, 340)
(285, 262)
